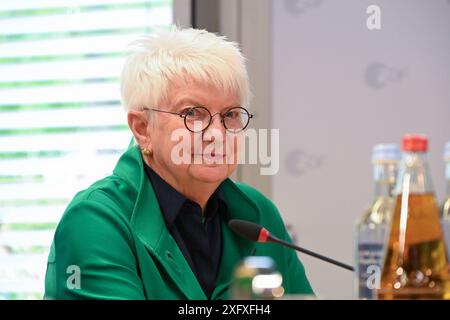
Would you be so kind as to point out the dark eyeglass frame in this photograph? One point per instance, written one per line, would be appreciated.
(184, 115)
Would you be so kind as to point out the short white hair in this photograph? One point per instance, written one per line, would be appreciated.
(158, 59)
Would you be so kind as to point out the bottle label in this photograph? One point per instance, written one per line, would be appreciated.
(369, 269)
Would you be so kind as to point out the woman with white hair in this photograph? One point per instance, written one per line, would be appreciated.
(157, 227)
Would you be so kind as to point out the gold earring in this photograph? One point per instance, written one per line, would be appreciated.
(147, 152)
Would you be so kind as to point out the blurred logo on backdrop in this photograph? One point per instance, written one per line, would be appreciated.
(378, 75)
(299, 7)
(298, 162)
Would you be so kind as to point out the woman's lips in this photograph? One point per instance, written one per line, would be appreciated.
(210, 157)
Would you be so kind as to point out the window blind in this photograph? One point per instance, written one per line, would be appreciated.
(61, 123)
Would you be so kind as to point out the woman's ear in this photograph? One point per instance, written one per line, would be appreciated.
(138, 123)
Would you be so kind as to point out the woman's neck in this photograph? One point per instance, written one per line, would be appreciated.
(194, 190)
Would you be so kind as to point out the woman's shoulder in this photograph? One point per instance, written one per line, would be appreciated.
(112, 194)
(269, 214)
(255, 195)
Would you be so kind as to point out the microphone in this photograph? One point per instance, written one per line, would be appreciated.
(254, 232)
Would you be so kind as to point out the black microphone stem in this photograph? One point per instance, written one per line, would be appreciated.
(316, 255)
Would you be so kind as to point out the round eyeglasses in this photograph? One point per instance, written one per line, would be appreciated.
(198, 119)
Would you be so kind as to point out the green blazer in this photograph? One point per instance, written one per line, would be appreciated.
(112, 243)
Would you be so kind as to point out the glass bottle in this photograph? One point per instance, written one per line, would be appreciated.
(445, 221)
(415, 265)
(256, 277)
(446, 206)
(372, 228)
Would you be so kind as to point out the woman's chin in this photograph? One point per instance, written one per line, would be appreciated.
(209, 173)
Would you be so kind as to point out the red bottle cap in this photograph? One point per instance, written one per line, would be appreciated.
(414, 143)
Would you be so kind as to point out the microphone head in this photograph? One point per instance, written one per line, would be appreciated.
(246, 229)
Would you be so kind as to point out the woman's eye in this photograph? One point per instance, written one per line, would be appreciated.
(231, 114)
(188, 112)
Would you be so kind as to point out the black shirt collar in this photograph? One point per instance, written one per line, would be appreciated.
(172, 202)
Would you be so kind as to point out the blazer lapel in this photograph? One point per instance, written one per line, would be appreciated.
(149, 225)
(235, 248)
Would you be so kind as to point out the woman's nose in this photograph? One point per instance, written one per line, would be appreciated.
(214, 128)
(216, 122)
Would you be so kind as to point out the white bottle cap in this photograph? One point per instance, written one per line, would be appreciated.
(385, 152)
